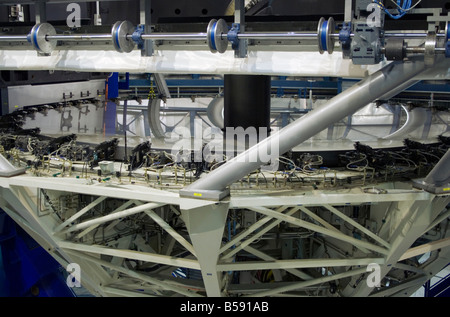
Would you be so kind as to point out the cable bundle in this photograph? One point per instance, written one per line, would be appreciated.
(403, 7)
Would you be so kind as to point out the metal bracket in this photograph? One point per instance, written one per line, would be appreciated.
(137, 36)
(214, 195)
(232, 36)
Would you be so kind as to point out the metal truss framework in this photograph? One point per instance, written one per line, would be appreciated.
(146, 235)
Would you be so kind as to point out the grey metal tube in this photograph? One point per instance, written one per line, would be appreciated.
(348, 102)
(80, 37)
(174, 36)
(13, 38)
(202, 36)
(440, 175)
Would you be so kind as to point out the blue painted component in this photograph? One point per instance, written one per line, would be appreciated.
(323, 35)
(113, 86)
(125, 84)
(35, 41)
(26, 269)
(232, 35)
(439, 289)
(137, 36)
(447, 48)
(110, 118)
(345, 34)
(213, 37)
(447, 36)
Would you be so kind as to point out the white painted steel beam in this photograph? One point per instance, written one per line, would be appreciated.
(206, 225)
(148, 279)
(92, 227)
(107, 218)
(356, 196)
(80, 213)
(304, 284)
(266, 257)
(129, 254)
(164, 225)
(250, 240)
(258, 224)
(296, 264)
(319, 229)
(357, 225)
(424, 248)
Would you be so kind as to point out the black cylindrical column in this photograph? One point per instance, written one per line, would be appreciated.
(247, 104)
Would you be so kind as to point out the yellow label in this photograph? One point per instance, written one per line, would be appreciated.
(197, 195)
(446, 189)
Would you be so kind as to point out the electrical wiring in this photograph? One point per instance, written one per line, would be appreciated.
(403, 7)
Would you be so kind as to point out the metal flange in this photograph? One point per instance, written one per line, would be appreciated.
(447, 32)
(430, 49)
(121, 36)
(324, 35)
(38, 38)
(217, 36)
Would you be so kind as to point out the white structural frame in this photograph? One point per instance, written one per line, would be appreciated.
(419, 210)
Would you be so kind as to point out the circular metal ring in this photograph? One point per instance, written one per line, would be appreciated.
(319, 36)
(38, 37)
(216, 40)
(430, 49)
(331, 26)
(325, 40)
(119, 33)
(447, 32)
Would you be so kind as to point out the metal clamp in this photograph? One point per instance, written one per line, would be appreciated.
(232, 35)
(120, 32)
(324, 35)
(217, 36)
(345, 34)
(137, 36)
(38, 38)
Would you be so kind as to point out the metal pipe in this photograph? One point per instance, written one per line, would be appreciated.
(174, 36)
(13, 38)
(202, 36)
(276, 36)
(348, 102)
(80, 37)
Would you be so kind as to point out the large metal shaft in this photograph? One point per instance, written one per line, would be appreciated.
(202, 36)
(214, 185)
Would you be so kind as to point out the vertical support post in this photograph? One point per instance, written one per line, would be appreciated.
(40, 11)
(112, 88)
(348, 11)
(206, 225)
(145, 16)
(239, 18)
